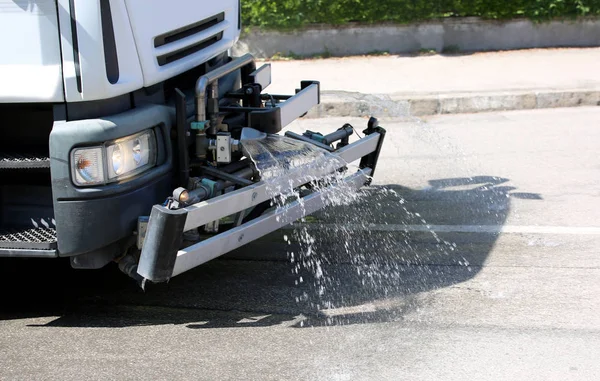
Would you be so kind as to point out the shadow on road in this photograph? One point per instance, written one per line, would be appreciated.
(354, 275)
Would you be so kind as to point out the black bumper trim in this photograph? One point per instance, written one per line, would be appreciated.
(163, 240)
(370, 161)
(87, 225)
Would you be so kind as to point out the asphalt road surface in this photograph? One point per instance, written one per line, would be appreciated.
(474, 255)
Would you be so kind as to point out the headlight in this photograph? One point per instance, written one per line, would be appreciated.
(131, 155)
(124, 158)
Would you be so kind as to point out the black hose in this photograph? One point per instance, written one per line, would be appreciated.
(341, 134)
(181, 122)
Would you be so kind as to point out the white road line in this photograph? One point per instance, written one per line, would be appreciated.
(513, 229)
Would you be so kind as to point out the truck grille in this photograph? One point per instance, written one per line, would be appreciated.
(28, 238)
(189, 31)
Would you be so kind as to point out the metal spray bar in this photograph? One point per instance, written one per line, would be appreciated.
(223, 243)
(160, 251)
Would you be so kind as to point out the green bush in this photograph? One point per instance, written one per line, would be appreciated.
(285, 14)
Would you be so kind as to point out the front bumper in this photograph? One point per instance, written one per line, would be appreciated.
(92, 218)
(162, 258)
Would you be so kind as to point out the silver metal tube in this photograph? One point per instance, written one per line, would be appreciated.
(210, 77)
(213, 110)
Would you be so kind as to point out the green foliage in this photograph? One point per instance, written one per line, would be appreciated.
(451, 49)
(286, 14)
(427, 52)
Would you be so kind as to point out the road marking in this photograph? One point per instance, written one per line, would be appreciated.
(497, 229)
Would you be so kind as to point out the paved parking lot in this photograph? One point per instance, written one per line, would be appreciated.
(479, 260)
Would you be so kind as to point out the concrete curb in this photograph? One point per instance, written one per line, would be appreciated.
(340, 103)
(451, 34)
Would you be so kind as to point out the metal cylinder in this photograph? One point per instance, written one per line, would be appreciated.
(213, 107)
(340, 134)
(199, 194)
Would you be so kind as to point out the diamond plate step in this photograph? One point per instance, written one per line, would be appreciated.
(28, 238)
(23, 161)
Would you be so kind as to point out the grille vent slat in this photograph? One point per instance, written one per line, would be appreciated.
(187, 31)
(189, 50)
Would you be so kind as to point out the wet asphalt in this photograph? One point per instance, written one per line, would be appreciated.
(507, 287)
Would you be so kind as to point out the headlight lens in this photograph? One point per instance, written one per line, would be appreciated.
(131, 155)
(124, 157)
(116, 159)
(138, 152)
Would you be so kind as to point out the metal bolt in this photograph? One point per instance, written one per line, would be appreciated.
(222, 148)
(240, 238)
(249, 91)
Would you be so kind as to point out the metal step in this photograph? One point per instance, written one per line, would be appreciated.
(23, 161)
(28, 238)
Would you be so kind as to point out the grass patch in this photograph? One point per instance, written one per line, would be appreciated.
(293, 14)
(427, 52)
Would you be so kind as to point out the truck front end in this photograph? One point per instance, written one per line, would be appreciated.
(114, 112)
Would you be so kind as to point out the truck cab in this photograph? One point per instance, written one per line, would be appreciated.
(77, 79)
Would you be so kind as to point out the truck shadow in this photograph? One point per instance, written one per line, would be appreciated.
(372, 261)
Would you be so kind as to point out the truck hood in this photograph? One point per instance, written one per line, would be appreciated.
(30, 62)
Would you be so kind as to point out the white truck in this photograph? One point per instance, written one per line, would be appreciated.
(120, 128)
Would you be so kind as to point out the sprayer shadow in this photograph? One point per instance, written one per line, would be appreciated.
(356, 274)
